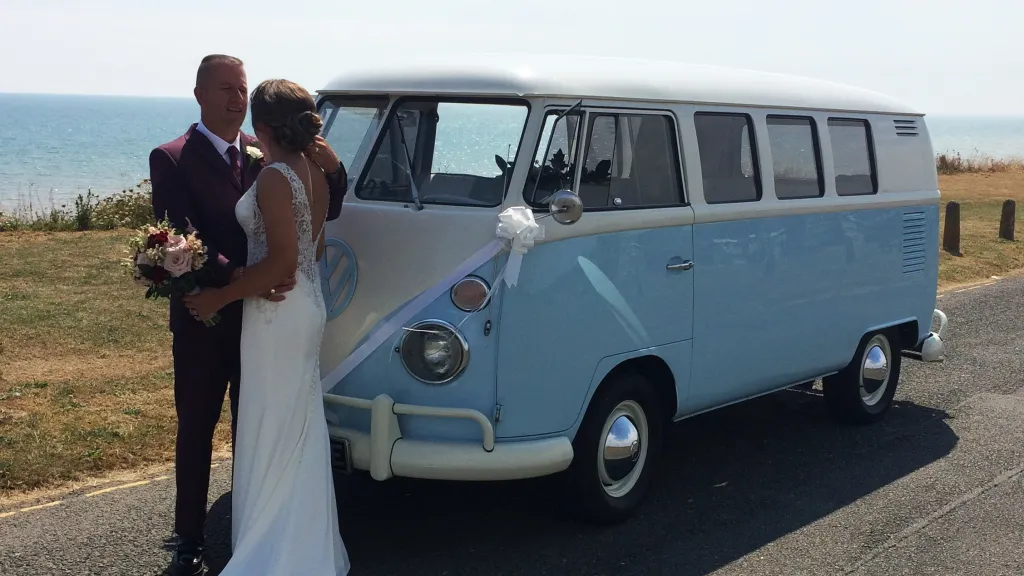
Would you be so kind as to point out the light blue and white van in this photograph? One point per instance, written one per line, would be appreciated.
(541, 264)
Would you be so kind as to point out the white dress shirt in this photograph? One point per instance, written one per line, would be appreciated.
(219, 143)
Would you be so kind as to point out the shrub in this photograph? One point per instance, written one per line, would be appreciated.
(129, 208)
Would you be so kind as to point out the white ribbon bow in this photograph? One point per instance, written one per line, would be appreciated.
(518, 225)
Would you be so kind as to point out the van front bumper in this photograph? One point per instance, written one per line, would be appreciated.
(384, 453)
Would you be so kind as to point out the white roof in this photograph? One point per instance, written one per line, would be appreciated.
(601, 77)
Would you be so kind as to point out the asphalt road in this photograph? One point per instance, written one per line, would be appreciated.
(771, 486)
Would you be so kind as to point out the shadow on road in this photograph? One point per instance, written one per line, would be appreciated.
(732, 481)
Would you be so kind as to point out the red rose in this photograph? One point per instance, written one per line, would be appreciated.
(158, 239)
(157, 274)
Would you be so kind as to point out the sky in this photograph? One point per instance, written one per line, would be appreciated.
(939, 56)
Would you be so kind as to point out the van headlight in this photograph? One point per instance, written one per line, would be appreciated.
(434, 352)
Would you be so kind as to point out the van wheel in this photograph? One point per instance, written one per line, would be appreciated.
(616, 450)
(862, 392)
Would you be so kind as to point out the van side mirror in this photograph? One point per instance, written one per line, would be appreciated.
(566, 207)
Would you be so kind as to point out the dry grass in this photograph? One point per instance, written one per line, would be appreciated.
(85, 371)
(981, 197)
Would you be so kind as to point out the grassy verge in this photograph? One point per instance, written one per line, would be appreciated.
(85, 370)
(981, 197)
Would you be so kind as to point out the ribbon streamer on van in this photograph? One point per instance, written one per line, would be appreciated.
(516, 224)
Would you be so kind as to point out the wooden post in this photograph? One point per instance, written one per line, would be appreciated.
(951, 234)
(1008, 219)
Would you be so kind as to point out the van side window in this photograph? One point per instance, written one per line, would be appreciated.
(728, 157)
(852, 156)
(796, 160)
(554, 165)
(631, 160)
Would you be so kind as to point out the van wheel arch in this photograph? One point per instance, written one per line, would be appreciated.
(653, 369)
(905, 332)
(908, 334)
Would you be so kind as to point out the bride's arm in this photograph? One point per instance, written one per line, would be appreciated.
(275, 203)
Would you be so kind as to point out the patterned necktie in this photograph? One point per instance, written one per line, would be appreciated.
(236, 166)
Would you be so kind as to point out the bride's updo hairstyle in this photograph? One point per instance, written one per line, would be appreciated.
(287, 111)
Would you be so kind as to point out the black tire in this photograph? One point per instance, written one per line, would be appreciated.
(623, 394)
(842, 390)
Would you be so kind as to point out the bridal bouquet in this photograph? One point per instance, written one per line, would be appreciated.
(167, 262)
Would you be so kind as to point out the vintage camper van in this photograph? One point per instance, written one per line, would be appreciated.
(543, 263)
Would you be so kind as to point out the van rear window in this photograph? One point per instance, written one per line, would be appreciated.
(796, 161)
(852, 156)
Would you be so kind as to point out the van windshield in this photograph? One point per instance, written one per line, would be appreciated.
(445, 151)
(349, 127)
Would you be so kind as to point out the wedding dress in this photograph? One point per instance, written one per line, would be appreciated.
(284, 515)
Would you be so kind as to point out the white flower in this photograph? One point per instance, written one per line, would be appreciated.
(254, 152)
(178, 259)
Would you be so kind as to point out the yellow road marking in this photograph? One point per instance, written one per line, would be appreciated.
(112, 488)
(96, 493)
(30, 508)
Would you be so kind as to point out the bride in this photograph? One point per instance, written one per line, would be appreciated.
(284, 515)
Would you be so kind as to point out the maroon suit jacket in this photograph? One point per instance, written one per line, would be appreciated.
(192, 183)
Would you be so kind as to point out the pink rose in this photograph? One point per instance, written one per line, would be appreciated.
(178, 258)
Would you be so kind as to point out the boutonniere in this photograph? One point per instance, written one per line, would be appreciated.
(254, 153)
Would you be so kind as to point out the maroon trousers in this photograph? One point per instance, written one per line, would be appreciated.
(206, 364)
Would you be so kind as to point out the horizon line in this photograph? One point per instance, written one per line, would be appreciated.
(961, 114)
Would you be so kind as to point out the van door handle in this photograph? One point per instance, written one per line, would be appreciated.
(685, 265)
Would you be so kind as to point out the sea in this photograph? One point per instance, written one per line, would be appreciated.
(55, 147)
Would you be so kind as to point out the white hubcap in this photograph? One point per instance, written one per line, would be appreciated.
(623, 449)
(875, 369)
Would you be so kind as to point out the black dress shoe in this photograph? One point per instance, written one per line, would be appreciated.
(188, 560)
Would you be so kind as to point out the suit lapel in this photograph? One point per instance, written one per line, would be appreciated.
(209, 152)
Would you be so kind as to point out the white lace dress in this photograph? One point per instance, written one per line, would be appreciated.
(284, 515)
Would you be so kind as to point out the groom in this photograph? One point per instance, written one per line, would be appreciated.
(197, 179)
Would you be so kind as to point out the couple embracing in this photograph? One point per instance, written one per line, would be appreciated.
(260, 207)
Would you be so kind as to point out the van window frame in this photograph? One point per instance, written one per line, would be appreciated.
(869, 140)
(340, 101)
(818, 157)
(755, 156)
(676, 149)
(441, 98)
(584, 138)
(554, 110)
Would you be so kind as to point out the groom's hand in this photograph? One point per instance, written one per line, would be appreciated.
(321, 153)
(277, 294)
